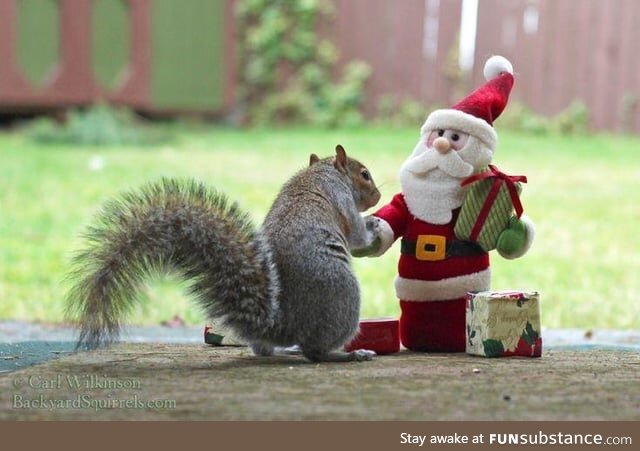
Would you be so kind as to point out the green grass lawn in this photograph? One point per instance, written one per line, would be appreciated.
(581, 193)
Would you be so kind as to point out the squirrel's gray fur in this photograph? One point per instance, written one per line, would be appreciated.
(288, 283)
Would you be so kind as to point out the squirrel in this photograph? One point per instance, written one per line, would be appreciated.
(288, 283)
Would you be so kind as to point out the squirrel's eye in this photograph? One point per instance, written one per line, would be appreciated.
(365, 175)
(455, 137)
(440, 132)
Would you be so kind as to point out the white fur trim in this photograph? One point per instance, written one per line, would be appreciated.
(444, 289)
(459, 120)
(531, 234)
(495, 66)
(387, 237)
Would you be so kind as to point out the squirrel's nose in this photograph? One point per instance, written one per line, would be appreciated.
(442, 145)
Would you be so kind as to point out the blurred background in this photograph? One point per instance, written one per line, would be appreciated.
(239, 56)
(99, 96)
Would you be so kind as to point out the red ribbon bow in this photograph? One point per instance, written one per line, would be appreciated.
(500, 176)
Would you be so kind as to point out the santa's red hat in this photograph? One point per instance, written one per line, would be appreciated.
(475, 113)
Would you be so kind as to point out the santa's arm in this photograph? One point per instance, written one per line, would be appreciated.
(385, 226)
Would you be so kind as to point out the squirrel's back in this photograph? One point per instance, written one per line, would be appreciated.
(309, 228)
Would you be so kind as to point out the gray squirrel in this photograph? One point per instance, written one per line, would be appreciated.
(288, 283)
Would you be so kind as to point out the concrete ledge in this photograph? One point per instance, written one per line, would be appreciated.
(198, 382)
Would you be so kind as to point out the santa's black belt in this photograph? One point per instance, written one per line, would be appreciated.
(436, 247)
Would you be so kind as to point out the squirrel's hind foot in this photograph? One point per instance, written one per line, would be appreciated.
(262, 349)
(266, 350)
(359, 355)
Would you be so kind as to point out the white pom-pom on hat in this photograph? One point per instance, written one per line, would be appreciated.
(495, 66)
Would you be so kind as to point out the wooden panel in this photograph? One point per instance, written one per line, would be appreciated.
(38, 40)
(11, 80)
(445, 93)
(55, 76)
(581, 51)
(133, 83)
(631, 78)
(111, 40)
(193, 50)
(188, 55)
(405, 43)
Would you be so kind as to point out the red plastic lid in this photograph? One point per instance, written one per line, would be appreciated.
(381, 335)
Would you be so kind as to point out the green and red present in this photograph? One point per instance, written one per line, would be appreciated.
(503, 324)
(217, 334)
(489, 204)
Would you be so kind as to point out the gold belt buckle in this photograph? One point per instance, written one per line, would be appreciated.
(431, 247)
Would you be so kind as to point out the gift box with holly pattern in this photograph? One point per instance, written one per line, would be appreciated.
(503, 323)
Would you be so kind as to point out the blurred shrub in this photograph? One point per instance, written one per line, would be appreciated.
(405, 113)
(627, 112)
(99, 125)
(572, 120)
(287, 72)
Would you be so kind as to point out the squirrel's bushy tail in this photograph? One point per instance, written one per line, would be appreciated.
(173, 225)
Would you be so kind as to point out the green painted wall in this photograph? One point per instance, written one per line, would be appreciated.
(111, 40)
(187, 56)
(38, 40)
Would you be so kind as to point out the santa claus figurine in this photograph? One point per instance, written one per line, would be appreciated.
(436, 269)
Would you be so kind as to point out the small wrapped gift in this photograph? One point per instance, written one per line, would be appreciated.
(503, 323)
(381, 335)
(216, 334)
(488, 206)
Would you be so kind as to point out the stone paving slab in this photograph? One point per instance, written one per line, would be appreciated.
(145, 381)
(23, 343)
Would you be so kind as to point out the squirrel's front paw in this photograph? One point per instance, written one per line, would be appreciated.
(516, 239)
(372, 227)
(361, 355)
(372, 224)
(366, 251)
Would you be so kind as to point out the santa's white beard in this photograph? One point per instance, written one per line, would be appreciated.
(431, 197)
(430, 181)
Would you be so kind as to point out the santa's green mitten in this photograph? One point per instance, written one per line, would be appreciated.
(516, 239)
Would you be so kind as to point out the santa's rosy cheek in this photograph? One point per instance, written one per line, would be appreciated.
(431, 138)
(460, 142)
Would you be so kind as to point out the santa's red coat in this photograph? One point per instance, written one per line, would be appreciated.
(432, 274)
(435, 272)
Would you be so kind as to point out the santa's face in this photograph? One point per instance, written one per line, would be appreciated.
(431, 176)
(451, 139)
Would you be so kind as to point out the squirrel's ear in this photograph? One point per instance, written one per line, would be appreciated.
(313, 159)
(340, 161)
